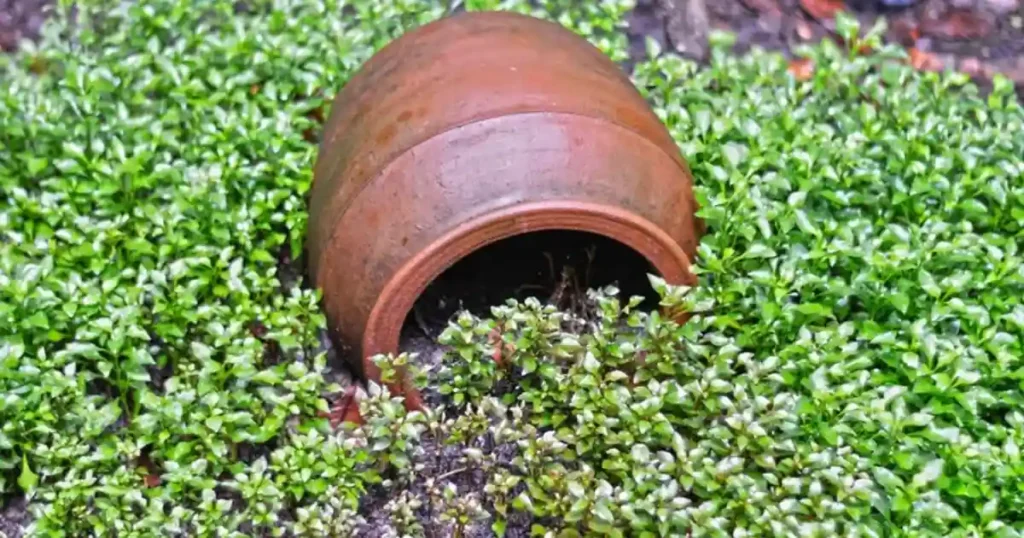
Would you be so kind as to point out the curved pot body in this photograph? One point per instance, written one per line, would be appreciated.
(470, 130)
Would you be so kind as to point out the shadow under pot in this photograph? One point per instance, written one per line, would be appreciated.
(472, 130)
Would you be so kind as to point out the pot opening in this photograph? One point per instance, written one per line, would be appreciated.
(554, 266)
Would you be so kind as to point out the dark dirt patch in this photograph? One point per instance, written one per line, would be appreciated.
(989, 29)
(13, 517)
(21, 19)
(981, 37)
(978, 37)
(441, 464)
(645, 21)
(428, 357)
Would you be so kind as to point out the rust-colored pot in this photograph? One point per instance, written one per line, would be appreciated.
(472, 129)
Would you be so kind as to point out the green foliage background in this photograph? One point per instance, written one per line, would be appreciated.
(856, 369)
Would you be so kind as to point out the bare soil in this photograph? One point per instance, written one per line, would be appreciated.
(13, 517)
(440, 461)
(978, 37)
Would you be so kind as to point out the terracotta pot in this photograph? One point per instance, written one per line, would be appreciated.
(472, 129)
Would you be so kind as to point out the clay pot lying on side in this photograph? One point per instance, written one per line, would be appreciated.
(470, 130)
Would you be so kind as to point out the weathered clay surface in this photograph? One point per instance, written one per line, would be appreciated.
(473, 129)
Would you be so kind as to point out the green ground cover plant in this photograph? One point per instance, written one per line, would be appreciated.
(853, 368)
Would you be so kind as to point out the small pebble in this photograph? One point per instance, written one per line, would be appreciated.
(1017, 22)
(804, 30)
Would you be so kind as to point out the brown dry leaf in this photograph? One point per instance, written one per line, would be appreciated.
(924, 60)
(151, 478)
(502, 349)
(801, 68)
(823, 9)
(317, 115)
(346, 409)
(38, 65)
(494, 338)
(770, 7)
(959, 24)
(864, 49)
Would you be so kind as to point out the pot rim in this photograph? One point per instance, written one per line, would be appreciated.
(399, 295)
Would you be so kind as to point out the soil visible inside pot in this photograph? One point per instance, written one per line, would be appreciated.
(556, 267)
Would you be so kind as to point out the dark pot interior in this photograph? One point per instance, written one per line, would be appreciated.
(555, 266)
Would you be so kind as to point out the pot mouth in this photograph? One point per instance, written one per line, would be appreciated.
(399, 295)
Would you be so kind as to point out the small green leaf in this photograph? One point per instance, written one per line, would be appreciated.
(36, 165)
(927, 282)
(27, 480)
(929, 473)
(498, 527)
(847, 26)
(901, 301)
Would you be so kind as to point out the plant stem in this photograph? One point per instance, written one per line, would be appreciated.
(452, 473)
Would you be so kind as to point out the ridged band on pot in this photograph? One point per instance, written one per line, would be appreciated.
(472, 129)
